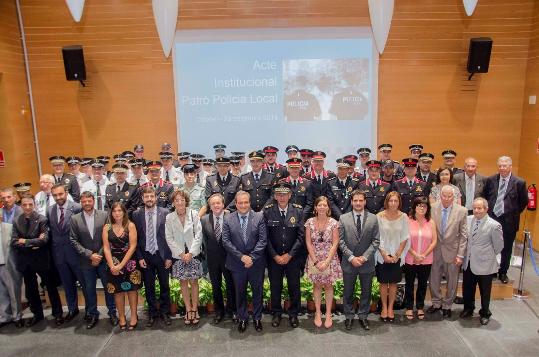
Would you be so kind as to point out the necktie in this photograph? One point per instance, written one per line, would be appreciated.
(48, 199)
(475, 228)
(283, 215)
(151, 244)
(98, 194)
(499, 207)
(319, 179)
(410, 184)
(62, 217)
(218, 229)
(58, 179)
(343, 183)
(117, 188)
(271, 169)
(425, 178)
(138, 182)
(444, 221)
(373, 185)
(198, 178)
(469, 194)
(244, 228)
(358, 225)
(167, 177)
(256, 178)
(294, 183)
(155, 187)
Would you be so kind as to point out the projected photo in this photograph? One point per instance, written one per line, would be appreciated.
(325, 89)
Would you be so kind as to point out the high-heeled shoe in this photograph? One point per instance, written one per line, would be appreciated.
(196, 317)
(188, 320)
(123, 326)
(132, 327)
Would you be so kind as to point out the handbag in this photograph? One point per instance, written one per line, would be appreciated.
(314, 270)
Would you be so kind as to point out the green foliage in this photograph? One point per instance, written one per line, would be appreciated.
(266, 292)
(205, 294)
(175, 291)
(306, 286)
(338, 289)
(284, 293)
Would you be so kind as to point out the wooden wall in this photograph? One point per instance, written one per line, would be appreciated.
(16, 138)
(529, 145)
(423, 92)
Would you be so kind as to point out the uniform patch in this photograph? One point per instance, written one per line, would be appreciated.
(293, 220)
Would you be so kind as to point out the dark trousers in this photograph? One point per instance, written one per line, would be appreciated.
(32, 292)
(508, 239)
(255, 278)
(89, 281)
(276, 273)
(350, 280)
(469, 283)
(69, 274)
(411, 272)
(217, 270)
(155, 266)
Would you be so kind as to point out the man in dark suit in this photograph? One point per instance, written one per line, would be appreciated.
(29, 240)
(212, 232)
(86, 229)
(424, 173)
(121, 191)
(223, 181)
(154, 255)
(285, 249)
(163, 190)
(470, 183)
(60, 176)
(409, 187)
(258, 183)
(340, 189)
(244, 238)
(507, 197)
(64, 256)
(359, 239)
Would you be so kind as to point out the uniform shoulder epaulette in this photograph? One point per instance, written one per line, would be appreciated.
(355, 179)
(331, 177)
(297, 205)
(110, 184)
(247, 173)
(268, 205)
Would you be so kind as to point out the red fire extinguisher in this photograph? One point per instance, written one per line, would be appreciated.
(532, 197)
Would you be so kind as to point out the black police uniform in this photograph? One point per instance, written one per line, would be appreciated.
(408, 194)
(285, 236)
(129, 196)
(228, 188)
(278, 170)
(260, 191)
(71, 184)
(339, 195)
(319, 189)
(163, 193)
(302, 194)
(430, 181)
(375, 196)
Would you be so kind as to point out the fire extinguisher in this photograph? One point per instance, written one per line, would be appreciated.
(532, 197)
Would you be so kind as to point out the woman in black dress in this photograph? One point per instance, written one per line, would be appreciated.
(124, 277)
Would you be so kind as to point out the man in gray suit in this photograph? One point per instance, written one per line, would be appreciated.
(470, 183)
(10, 281)
(480, 264)
(451, 227)
(359, 239)
(86, 229)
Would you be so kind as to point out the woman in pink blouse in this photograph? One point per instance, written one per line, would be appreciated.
(419, 257)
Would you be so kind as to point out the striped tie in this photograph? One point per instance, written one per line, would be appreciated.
(151, 244)
(498, 206)
(475, 228)
(218, 230)
(244, 228)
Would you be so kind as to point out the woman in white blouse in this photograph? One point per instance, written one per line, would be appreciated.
(394, 235)
(183, 232)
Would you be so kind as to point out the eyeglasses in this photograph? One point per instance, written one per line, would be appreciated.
(421, 205)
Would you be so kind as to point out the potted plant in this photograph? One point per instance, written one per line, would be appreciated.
(249, 298)
(306, 286)
(375, 294)
(266, 294)
(205, 295)
(357, 295)
(175, 292)
(338, 293)
(285, 296)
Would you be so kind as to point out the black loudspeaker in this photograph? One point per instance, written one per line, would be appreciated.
(479, 54)
(74, 63)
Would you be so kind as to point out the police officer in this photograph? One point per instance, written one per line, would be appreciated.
(60, 176)
(197, 197)
(301, 188)
(183, 158)
(385, 154)
(258, 182)
(449, 156)
(364, 156)
(235, 167)
(86, 170)
(340, 189)
(105, 160)
(201, 174)
(137, 177)
(163, 189)
(121, 191)
(319, 176)
(270, 156)
(223, 181)
(208, 165)
(415, 150)
(374, 188)
(306, 157)
(409, 187)
(97, 185)
(388, 171)
(219, 150)
(74, 164)
(292, 151)
(169, 173)
(284, 222)
(20, 188)
(352, 172)
(424, 173)
(244, 167)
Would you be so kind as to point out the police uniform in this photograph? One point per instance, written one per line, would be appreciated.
(383, 177)
(277, 169)
(339, 193)
(291, 151)
(97, 189)
(133, 180)
(21, 188)
(306, 155)
(163, 190)
(429, 178)
(409, 192)
(286, 234)
(363, 152)
(301, 188)
(126, 194)
(219, 150)
(452, 153)
(260, 191)
(105, 160)
(227, 188)
(376, 191)
(319, 181)
(398, 173)
(68, 180)
(171, 175)
(201, 174)
(197, 199)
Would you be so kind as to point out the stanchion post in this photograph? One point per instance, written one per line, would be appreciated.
(520, 293)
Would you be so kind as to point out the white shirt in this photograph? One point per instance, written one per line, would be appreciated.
(392, 234)
(188, 235)
(221, 217)
(90, 222)
(175, 176)
(281, 210)
(41, 202)
(91, 186)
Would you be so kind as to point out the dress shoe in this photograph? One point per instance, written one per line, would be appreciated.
(71, 315)
(446, 313)
(113, 320)
(19, 323)
(217, 318)
(92, 322)
(242, 326)
(258, 325)
(458, 300)
(484, 320)
(466, 313)
(150, 322)
(5, 323)
(294, 322)
(276, 320)
(432, 309)
(32, 321)
(235, 318)
(365, 324)
(503, 278)
(87, 317)
(166, 319)
(59, 320)
(348, 324)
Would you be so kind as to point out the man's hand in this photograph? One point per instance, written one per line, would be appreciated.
(96, 259)
(142, 263)
(458, 261)
(278, 259)
(42, 236)
(168, 263)
(356, 262)
(247, 261)
(21, 241)
(286, 258)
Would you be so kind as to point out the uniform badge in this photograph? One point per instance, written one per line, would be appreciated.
(349, 189)
(126, 193)
(382, 189)
(67, 181)
(248, 183)
(418, 189)
(215, 183)
(293, 220)
(163, 194)
(301, 188)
